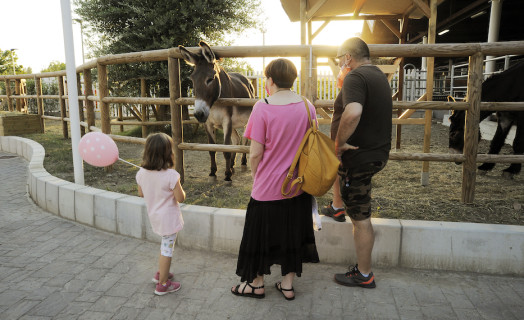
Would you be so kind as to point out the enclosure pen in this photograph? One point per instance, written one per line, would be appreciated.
(310, 54)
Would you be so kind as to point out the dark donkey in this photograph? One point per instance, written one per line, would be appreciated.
(211, 82)
(507, 86)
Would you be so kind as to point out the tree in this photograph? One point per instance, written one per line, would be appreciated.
(141, 25)
(55, 66)
(6, 63)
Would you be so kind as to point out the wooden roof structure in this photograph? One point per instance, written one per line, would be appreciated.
(357, 9)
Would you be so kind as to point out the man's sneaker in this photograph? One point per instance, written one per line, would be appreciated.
(353, 278)
(338, 215)
(157, 276)
(169, 287)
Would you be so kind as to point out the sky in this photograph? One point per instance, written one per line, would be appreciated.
(35, 31)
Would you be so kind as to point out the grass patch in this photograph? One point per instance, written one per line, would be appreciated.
(397, 193)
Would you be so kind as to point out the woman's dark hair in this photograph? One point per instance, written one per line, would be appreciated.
(282, 71)
(158, 152)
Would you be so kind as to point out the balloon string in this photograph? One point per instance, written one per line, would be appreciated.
(128, 162)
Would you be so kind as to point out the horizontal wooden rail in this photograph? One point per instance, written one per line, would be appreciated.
(319, 51)
(444, 157)
(51, 118)
(497, 158)
(213, 147)
(448, 157)
(133, 140)
(136, 100)
(149, 123)
(93, 98)
(502, 106)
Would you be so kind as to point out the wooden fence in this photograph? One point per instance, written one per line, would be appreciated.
(309, 54)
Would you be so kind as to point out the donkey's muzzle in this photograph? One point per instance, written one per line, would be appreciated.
(201, 116)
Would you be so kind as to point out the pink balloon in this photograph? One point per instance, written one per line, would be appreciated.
(98, 149)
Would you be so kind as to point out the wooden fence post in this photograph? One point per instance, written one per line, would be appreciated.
(63, 113)
(143, 91)
(17, 93)
(428, 115)
(80, 105)
(40, 101)
(8, 94)
(120, 116)
(176, 113)
(90, 106)
(313, 84)
(103, 91)
(471, 131)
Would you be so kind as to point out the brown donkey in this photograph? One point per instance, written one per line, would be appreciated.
(211, 82)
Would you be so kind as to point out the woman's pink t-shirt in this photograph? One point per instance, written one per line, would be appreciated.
(162, 208)
(280, 128)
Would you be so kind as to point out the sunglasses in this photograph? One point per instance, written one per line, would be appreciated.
(337, 58)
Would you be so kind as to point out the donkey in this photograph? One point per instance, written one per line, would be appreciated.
(211, 82)
(507, 86)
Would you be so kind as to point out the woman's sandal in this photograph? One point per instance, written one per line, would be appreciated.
(251, 294)
(278, 285)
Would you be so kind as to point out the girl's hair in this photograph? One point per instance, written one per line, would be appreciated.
(282, 71)
(158, 152)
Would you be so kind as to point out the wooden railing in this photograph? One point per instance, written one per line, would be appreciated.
(473, 106)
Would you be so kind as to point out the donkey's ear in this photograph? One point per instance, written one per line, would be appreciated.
(207, 52)
(191, 58)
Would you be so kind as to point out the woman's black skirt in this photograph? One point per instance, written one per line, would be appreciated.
(277, 232)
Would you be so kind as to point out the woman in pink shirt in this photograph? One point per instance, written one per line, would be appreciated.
(160, 186)
(277, 230)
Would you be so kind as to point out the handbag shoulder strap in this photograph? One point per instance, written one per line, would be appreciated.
(289, 176)
(312, 123)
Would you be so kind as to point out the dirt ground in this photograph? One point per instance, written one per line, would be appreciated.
(397, 192)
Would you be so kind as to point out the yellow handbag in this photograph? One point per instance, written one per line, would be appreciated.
(317, 163)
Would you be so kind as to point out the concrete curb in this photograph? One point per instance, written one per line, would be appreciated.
(482, 248)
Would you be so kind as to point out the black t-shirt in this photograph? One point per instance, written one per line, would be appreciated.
(368, 86)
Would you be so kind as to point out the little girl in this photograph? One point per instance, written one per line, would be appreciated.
(160, 186)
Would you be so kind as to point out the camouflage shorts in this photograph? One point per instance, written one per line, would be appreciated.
(355, 188)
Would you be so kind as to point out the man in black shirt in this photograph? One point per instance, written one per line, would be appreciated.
(363, 142)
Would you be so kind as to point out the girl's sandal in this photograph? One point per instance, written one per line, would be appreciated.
(251, 294)
(278, 285)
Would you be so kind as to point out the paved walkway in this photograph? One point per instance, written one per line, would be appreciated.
(51, 268)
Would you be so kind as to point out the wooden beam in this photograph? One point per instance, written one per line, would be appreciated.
(366, 17)
(423, 6)
(61, 102)
(462, 12)
(39, 101)
(409, 10)
(320, 29)
(453, 17)
(392, 28)
(8, 94)
(90, 106)
(409, 112)
(471, 131)
(358, 6)
(303, 41)
(333, 66)
(103, 92)
(311, 12)
(173, 68)
(429, 91)
(143, 94)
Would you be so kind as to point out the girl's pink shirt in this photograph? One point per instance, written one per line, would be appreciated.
(162, 208)
(280, 128)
